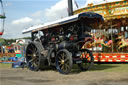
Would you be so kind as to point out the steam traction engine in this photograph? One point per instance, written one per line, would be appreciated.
(60, 43)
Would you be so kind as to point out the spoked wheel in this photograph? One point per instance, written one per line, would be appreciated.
(64, 61)
(87, 60)
(33, 57)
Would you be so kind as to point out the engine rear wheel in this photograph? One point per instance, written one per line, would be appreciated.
(87, 60)
(64, 61)
(33, 56)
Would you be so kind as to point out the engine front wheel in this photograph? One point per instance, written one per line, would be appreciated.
(64, 61)
(34, 57)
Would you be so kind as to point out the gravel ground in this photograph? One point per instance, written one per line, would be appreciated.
(18, 76)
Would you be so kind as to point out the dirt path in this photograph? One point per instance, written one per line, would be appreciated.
(10, 76)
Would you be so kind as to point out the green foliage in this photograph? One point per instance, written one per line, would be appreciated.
(2, 17)
(10, 41)
(26, 38)
(2, 40)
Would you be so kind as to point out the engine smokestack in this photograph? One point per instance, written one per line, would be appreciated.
(70, 8)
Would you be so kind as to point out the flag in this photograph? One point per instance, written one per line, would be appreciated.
(76, 4)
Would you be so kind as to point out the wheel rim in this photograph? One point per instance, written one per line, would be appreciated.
(32, 57)
(87, 59)
(63, 63)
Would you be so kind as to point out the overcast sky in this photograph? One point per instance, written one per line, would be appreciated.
(22, 14)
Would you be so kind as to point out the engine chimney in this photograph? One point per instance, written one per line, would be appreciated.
(70, 8)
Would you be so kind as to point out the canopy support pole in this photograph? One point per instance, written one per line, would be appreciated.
(111, 36)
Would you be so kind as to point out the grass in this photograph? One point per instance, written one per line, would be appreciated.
(3, 65)
(110, 67)
(104, 68)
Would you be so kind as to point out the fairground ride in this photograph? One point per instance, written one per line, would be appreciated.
(114, 29)
(2, 18)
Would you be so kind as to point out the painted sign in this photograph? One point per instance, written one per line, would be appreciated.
(103, 13)
(119, 11)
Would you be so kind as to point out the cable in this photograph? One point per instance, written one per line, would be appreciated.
(2, 7)
(3, 14)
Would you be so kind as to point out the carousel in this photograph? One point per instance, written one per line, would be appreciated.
(111, 36)
(2, 20)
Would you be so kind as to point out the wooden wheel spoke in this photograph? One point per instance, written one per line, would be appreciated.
(67, 66)
(30, 49)
(59, 58)
(35, 64)
(36, 60)
(59, 61)
(31, 60)
(35, 49)
(88, 59)
(29, 55)
(36, 52)
(31, 65)
(62, 55)
(62, 67)
(66, 59)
